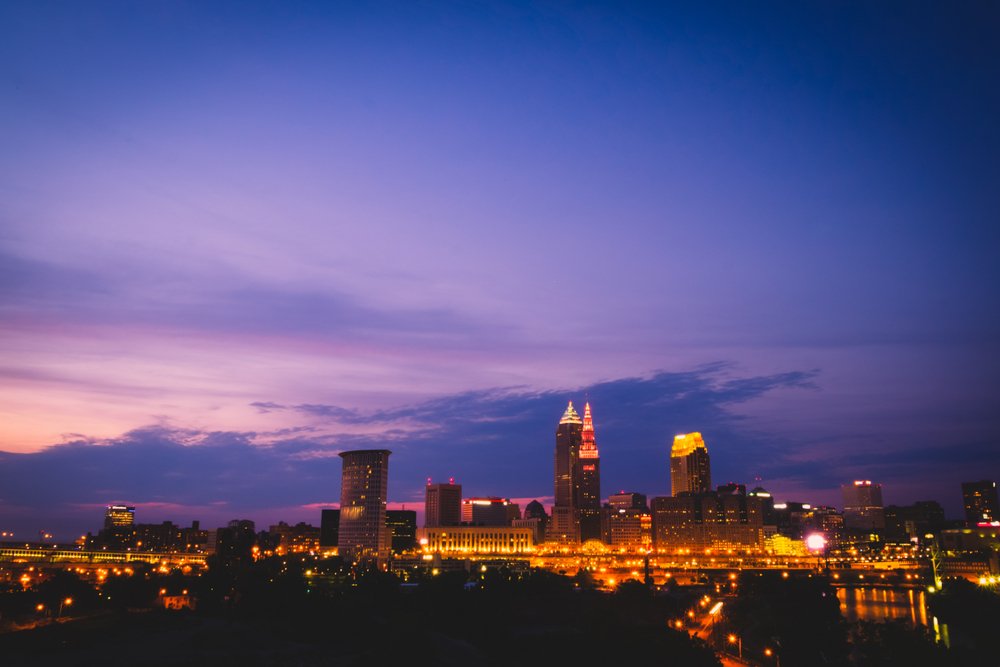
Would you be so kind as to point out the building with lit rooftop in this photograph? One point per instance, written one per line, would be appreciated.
(588, 502)
(564, 525)
(119, 516)
(442, 504)
(863, 510)
(485, 511)
(690, 470)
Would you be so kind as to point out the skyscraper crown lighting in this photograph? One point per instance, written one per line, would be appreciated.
(690, 469)
(685, 443)
(588, 445)
(571, 416)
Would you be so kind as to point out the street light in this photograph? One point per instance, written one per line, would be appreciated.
(777, 659)
(713, 613)
(735, 639)
(67, 602)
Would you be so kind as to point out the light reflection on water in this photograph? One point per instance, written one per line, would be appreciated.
(883, 604)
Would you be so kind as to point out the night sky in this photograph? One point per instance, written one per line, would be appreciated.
(237, 238)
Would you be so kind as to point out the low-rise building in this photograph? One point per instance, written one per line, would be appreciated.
(477, 540)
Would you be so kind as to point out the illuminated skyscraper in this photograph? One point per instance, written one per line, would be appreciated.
(565, 523)
(863, 506)
(689, 465)
(980, 501)
(588, 501)
(364, 484)
(119, 516)
(442, 504)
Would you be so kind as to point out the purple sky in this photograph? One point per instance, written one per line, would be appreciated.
(237, 238)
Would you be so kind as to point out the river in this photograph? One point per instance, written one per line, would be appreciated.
(883, 604)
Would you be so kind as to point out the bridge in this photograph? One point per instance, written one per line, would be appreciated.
(49, 555)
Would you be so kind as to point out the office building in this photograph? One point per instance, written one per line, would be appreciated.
(627, 500)
(909, 522)
(536, 511)
(980, 501)
(628, 529)
(485, 511)
(588, 502)
(402, 526)
(443, 504)
(564, 525)
(286, 539)
(362, 534)
(732, 489)
(797, 521)
(234, 544)
(863, 511)
(119, 516)
(707, 520)
(767, 507)
(690, 471)
(536, 525)
(329, 527)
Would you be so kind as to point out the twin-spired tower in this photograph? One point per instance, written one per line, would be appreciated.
(576, 515)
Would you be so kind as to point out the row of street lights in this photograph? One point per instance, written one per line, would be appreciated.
(67, 602)
(768, 651)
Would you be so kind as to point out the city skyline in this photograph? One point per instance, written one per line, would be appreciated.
(584, 433)
(235, 242)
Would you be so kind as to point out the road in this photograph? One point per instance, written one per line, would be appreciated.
(704, 617)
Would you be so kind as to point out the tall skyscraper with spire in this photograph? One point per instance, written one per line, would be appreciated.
(689, 465)
(565, 523)
(589, 499)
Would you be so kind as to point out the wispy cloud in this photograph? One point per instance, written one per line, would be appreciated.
(494, 442)
(497, 442)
